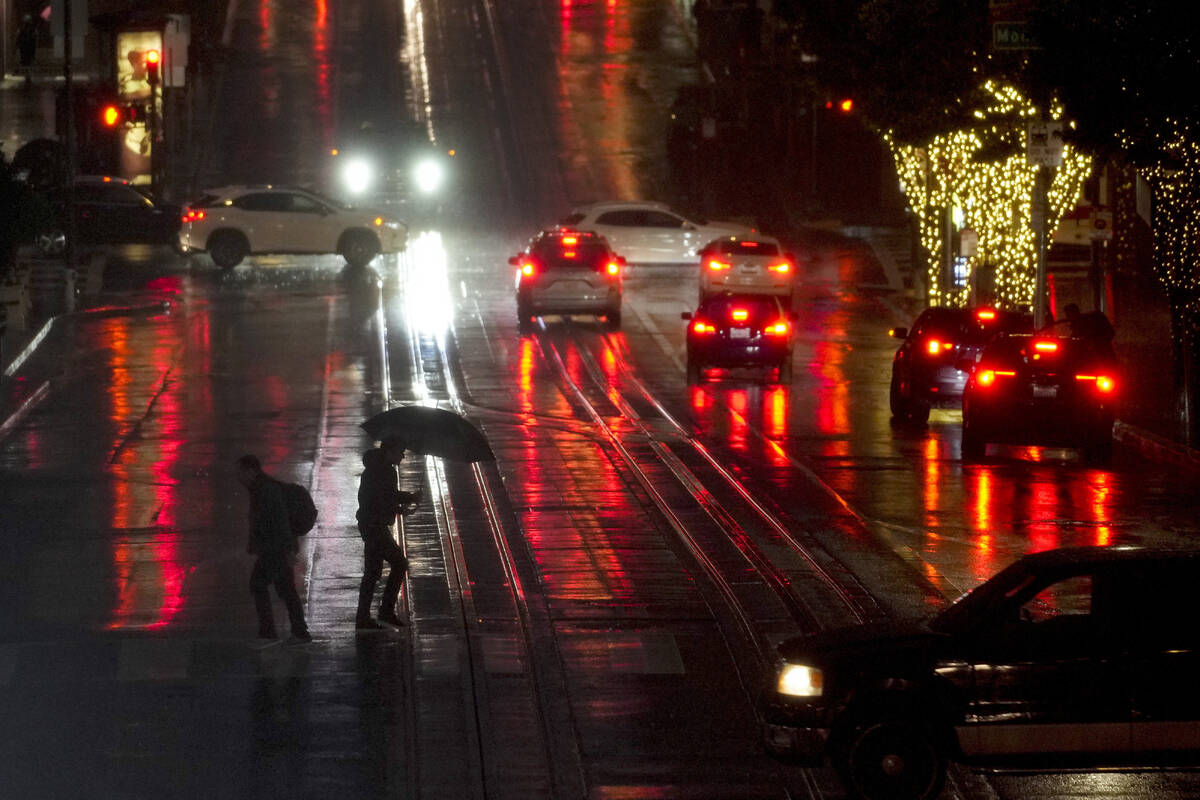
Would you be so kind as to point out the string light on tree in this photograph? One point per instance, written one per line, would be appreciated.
(982, 171)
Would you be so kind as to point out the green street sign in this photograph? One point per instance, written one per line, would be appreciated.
(1012, 36)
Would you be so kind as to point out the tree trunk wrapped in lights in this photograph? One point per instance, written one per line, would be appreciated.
(982, 171)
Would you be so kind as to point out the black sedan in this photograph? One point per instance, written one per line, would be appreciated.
(925, 371)
(740, 330)
(110, 210)
(1041, 390)
(1066, 659)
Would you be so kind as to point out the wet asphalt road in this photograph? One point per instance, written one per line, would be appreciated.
(588, 616)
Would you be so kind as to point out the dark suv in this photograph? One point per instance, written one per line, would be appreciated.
(1073, 658)
(925, 370)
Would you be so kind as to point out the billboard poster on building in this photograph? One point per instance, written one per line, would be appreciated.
(133, 85)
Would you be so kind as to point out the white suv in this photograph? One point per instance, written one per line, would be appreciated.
(650, 233)
(233, 222)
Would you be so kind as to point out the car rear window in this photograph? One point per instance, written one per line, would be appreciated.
(722, 308)
(744, 248)
(204, 201)
(553, 254)
(572, 219)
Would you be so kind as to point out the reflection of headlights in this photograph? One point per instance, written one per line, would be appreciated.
(357, 175)
(429, 175)
(799, 680)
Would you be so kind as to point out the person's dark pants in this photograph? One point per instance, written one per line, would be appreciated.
(275, 569)
(378, 547)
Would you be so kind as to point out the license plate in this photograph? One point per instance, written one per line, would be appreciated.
(739, 333)
(1045, 391)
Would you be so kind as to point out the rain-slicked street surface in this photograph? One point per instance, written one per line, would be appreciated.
(593, 614)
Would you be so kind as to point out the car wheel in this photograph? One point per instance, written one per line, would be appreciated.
(973, 447)
(51, 242)
(1099, 451)
(695, 371)
(785, 371)
(358, 248)
(904, 409)
(525, 317)
(227, 249)
(613, 318)
(891, 759)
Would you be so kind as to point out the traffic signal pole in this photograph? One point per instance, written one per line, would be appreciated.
(69, 91)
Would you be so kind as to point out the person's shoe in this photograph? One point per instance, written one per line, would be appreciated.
(367, 625)
(390, 618)
(300, 638)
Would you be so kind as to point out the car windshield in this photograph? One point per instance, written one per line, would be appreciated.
(204, 201)
(744, 248)
(976, 605)
(554, 254)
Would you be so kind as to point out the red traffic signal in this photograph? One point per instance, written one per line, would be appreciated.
(152, 66)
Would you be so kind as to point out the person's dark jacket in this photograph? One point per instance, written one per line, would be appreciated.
(270, 531)
(379, 494)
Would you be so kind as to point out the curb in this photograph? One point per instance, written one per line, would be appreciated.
(100, 311)
(1155, 447)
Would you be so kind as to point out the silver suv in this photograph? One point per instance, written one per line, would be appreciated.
(568, 272)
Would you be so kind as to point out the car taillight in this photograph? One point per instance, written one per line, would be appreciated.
(1104, 384)
(716, 265)
(613, 268)
(935, 346)
(779, 328)
(193, 215)
(988, 376)
(1046, 347)
(527, 268)
(782, 267)
(570, 240)
(568, 254)
(985, 315)
(739, 314)
(700, 326)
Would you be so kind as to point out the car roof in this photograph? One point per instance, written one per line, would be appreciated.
(608, 205)
(757, 237)
(1071, 556)
(103, 179)
(237, 189)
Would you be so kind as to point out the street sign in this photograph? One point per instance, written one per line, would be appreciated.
(1044, 146)
(1012, 36)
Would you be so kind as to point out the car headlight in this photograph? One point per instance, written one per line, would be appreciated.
(800, 680)
(429, 175)
(358, 175)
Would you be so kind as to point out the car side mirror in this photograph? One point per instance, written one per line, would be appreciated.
(898, 333)
(514, 260)
(964, 364)
(686, 315)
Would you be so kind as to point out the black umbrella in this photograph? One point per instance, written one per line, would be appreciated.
(431, 432)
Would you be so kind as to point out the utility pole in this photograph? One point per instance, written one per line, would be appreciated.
(1044, 151)
(69, 99)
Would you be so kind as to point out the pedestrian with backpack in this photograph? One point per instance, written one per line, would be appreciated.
(273, 542)
(380, 500)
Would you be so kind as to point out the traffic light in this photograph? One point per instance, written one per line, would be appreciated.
(846, 105)
(152, 66)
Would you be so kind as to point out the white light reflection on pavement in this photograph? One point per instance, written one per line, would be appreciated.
(428, 306)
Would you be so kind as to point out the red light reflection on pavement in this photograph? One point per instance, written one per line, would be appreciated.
(266, 35)
(931, 491)
(739, 427)
(1043, 512)
(324, 71)
(1101, 506)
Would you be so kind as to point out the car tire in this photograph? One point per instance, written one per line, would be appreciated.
(1099, 451)
(613, 319)
(358, 248)
(904, 409)
(695, 372)
(891, 758)
(51, 242)
(973, 447)
(227, 249)
(785, 371)
(525, 317)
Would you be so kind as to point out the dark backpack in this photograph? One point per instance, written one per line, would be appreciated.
(301, 510)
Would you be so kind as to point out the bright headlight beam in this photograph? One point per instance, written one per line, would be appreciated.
(800, 680)
(357, 175)
(429, 175)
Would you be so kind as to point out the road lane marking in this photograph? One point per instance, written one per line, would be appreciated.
(15, 418)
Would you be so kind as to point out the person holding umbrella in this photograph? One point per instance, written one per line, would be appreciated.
(380, 499)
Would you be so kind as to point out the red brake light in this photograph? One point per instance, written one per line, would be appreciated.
(613, 268)
(779, 328)
(1046, 347)
(1104, 383)
(739, 314)
(568, 254)
(717, 265)
(749, 244)
(935, 346)
(985, 314)
(700, 326)
(986, 378)
(569, 240)
(193, 215)
(527, 268)
(782, 266)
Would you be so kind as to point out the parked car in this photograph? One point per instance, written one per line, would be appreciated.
(650, 233)
(568, 272)
(108, 210)
(740, 330)
(1041, 390)
(925, 369)
(1071, 658)
(750, 264)
(233, 222)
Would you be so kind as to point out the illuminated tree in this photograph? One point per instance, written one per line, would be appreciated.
(981, 170)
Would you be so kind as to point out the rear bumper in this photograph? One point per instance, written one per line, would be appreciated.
(738, 355)
(1057, 425)
(776, 288)
(570, 299)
